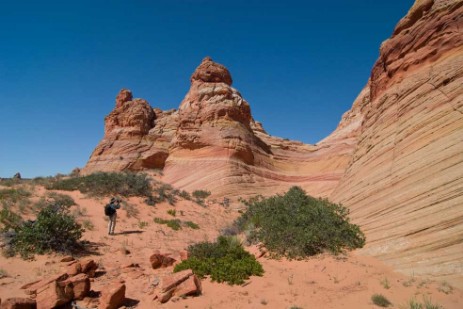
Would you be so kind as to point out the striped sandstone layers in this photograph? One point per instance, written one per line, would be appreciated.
(404, 185)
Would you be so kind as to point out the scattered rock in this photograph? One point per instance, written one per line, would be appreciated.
(113, 296)
(158, 260)
(74, 269)
(18, 303)
(52, 295)
(89, 267)
(189, 287)
(171, 281)
(67, 258)
(79, 284)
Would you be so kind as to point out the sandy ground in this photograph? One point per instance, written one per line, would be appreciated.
(346, 281)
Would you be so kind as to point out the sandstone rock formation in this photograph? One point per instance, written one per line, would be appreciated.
(404, 185)
(396, 158)
(213, 142)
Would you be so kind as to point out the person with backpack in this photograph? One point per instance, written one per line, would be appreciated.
(110, 210)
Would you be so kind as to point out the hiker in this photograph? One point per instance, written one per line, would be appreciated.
(111, 212)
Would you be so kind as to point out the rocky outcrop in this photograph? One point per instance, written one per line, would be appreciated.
(213, 142)
(404, 185)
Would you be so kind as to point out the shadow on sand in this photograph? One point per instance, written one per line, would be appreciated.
(129, 232)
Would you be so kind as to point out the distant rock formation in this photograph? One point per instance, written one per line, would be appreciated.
(212, 141)
(395, 159)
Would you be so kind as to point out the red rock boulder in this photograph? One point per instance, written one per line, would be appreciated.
(113, 296)
(161, 260)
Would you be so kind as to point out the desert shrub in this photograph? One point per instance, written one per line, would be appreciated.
(380, 300)
(174, 224)
(201, 194)
(53, 230)
(9, 220)
(191, 225)
(61, 199)
(101, 184)
(185, 195)
(224, 260)
(172, 212)
(427, 304)
(297, 225)
(9, 197)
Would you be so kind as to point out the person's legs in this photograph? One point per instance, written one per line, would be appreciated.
(110, 222)
(113, 220)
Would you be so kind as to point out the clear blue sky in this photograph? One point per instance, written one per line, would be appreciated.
(300, 65)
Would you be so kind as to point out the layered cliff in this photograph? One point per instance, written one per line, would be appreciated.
(404, 185)
(212, 141)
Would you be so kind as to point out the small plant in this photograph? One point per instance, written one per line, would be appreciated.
(142, 224)
(61, 199)
(380, 300)
(264, 302)
(3, 273)
(445, 288)
(172, 212)
(295, 307)
(191, 225)
(185, 195)
(9, 197)
(174, 224)
(427, 304)
(9, 220)
(200, 196)
(409, 282)
(88, 225)
(385, 283)
(225, 260)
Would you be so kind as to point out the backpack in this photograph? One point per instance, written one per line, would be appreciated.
(109, 210)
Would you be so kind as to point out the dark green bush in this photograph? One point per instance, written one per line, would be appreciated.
(296, 225)
(185, 195)
(380, 300)
(224, 260)
(101, 184)
(201, 194)
(191, 225)
(53, 230)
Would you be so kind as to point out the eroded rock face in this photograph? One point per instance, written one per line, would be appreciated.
(213, 142)
(404, 184)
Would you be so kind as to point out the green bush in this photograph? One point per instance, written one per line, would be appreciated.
(192, 225)
(201, 194)
(297, 225)
(101, 184)
(172, 212)
(224, 260)
(380, 300)
(185, 195)
(174, 224)
(54, 230)
(9, 197)
(9, 220)
(61, 199)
